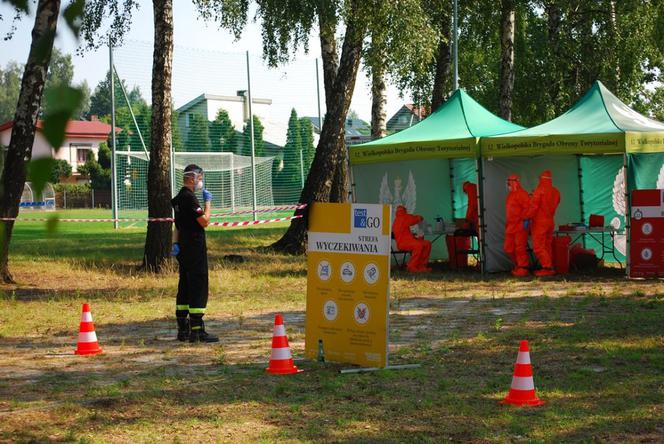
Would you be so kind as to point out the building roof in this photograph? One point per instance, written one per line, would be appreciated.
(204, 97)
(420, 111)
(80, 129)
(354, 127)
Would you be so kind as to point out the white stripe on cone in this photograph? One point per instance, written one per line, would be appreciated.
(88, 336)
(523, 383)
(280, 354)
(279, 330)
(86, 316)
(523, 358)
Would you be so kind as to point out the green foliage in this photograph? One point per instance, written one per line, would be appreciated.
(198, 138)
(39, 172)
(290, 176)
(259, 145)
(222, 133)
(100, 177)
(105, 21)
(10, 86)
(307, 143)
(62, 102)
(72, 188)
(73, 14)
(105, 155)
(61, 168)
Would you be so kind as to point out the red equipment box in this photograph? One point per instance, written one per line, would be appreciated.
(646, 251)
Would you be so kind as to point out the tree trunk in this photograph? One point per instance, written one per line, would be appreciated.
(19, 152)
(378, 87)
(443, 60)
(507, 58)
(330, 152)
(554, 22)
(615, 41)
(378, 103)
(158, 239)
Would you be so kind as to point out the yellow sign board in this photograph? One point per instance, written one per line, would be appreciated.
(348, 262)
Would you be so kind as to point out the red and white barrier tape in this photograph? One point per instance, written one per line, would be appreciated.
(263, 210)
(162, 219)
(245, 223)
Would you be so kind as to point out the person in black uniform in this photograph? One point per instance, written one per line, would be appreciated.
(191, 252)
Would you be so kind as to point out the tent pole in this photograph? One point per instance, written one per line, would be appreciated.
(581, 201)
(353, 197)
(628, 213)
(481, 230)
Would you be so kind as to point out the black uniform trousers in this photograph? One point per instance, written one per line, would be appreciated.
(192, 294)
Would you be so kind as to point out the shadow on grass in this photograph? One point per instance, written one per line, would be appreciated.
(598, 376)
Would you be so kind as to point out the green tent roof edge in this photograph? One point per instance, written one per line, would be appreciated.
(467, 147)
(620, 142)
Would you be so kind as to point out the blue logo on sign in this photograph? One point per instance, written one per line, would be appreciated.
(360, 218)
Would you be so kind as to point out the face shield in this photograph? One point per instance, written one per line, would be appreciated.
(197, 176)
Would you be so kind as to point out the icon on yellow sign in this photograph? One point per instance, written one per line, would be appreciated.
(347, 272)
(330, 310)
(371, 273)
(361, 313)
(324, 271)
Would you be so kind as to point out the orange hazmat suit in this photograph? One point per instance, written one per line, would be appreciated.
(516, 234)
(472, 215)
(420, 249)
(542, 210)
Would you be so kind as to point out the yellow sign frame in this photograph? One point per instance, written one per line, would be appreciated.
(348, 283)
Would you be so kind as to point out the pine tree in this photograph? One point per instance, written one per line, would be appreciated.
(307, 142)
(259, 145)
(222, 133)
(197, 136)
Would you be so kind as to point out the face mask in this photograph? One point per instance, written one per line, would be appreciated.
(199, 185)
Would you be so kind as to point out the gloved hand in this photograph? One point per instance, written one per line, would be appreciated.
(526, 224)
(207, 196)
(175, 249)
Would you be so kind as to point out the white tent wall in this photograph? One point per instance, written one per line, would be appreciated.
(496, 171)
(423, 186)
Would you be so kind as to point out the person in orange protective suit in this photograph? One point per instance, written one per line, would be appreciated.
(472, 215)
(420, 249)
(516, 227)
(542, 209)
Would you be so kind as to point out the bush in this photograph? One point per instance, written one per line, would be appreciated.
(60, 169)
(99, 177)
(72, 188)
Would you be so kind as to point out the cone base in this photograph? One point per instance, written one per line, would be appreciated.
(284, 371)
(531, 403)
(88, 352)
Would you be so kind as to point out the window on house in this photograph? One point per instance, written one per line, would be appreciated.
(190, 117)
(82, 155)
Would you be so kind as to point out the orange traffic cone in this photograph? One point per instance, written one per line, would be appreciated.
(522, 390)
(281, 360)
(87, 338)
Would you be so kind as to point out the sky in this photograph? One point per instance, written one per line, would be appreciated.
(206, 60)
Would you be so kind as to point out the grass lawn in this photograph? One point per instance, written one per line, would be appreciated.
(596, 342)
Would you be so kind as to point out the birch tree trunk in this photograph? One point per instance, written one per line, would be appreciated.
(324, 182)
(158, 238)
(19, 152)
(508, 16)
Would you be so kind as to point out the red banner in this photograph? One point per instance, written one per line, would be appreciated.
(646, 250)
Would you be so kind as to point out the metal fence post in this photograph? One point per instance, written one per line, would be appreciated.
(114, 167)
(253, 147)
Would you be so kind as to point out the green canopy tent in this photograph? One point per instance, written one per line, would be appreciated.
(423, 167)
(593, 150)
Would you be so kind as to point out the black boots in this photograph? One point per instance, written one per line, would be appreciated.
(198, 333)
(183, 329)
